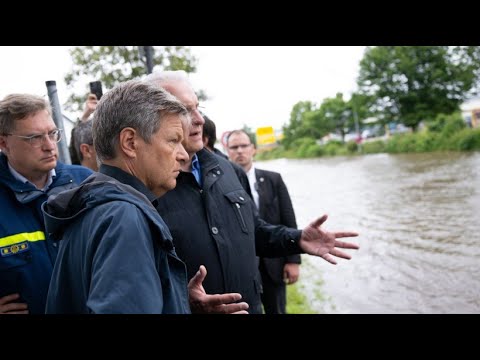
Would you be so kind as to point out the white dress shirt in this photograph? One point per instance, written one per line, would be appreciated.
(252, 180)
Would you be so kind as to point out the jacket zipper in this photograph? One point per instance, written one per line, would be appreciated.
(244, 225)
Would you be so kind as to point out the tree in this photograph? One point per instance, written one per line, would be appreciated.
(335, 114)
(296, 127)
(251, 133)
(415, 83)
(115, 64)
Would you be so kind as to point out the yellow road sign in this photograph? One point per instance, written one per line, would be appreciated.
(265, 136)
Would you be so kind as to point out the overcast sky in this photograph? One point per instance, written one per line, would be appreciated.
(256, 86)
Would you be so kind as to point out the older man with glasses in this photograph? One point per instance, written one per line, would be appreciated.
(29, 173)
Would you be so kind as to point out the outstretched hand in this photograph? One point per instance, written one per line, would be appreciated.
(319, 242)
(203, 303)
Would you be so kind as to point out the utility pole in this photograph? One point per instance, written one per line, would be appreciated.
(357, 129)
(58, 119)
(147, 52)
(149, 57)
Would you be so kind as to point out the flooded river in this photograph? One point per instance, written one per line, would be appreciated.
(418, 216)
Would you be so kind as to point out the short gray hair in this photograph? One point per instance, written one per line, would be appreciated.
(160, 78)
(17, 107)
(132, 104)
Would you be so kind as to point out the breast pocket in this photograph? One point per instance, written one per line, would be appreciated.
(240, 202)
(12, 260)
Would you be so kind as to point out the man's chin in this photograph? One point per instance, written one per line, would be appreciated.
(194, 148)
(50, 165)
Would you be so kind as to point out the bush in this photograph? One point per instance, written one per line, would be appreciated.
(314, 150)
(373, 147)
(443, 120)
(453, 125)
(401, 143)
(467, 140)
(305, 144)
(352, 146)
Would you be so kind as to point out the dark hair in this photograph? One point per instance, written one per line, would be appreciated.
(81, 134)
(209, 131)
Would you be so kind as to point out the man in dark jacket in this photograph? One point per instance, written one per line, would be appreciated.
(116, 254)
(29, 173)
(214, 221)
(273, 202)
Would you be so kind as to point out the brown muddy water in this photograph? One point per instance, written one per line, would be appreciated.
(418, 216)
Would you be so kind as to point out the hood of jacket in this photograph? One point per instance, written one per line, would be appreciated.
(62, 209)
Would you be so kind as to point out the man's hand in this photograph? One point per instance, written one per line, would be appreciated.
(202, 303)
(90, 106)
(9, 307)
(322, 243)
(291, 271)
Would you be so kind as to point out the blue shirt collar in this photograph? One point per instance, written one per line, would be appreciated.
(24, 180)
(196, 171)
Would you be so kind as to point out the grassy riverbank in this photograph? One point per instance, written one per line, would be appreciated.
(297, 302)
(447, 133)
(299, 298)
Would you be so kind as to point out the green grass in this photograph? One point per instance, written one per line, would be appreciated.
(297, 302)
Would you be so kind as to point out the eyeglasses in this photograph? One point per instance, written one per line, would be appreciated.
(241, 146)
(199, 108)
(37, 141)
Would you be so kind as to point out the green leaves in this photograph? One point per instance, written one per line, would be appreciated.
(115, 64)
(415, 83)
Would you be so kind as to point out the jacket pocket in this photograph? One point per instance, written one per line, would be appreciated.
(239, 202)
(12, 260)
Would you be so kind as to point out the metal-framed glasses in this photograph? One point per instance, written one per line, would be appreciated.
(37, 141)
(241, 147)
(199, 108)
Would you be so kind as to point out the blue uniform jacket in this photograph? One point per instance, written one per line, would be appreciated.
(27, 255)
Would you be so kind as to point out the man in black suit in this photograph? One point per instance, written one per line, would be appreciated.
(275, 207)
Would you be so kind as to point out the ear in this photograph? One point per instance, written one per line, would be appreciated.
(85, 150)
(128, 142)
(3, 144)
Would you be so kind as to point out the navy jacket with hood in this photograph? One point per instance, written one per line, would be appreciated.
(116, 254)
(27, 254)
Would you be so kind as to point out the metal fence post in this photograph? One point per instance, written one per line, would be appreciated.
(58, 119)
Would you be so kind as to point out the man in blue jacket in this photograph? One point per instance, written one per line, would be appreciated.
(116, 254)
(214, 221)
(29, 173)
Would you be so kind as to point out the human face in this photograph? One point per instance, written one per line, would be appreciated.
(193, 141)
(241, 150)
(31, 162)
(159, 162)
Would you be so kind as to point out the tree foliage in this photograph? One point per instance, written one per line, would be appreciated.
(415, 83)
(115, 64)
(334, 115)
(297, 128)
